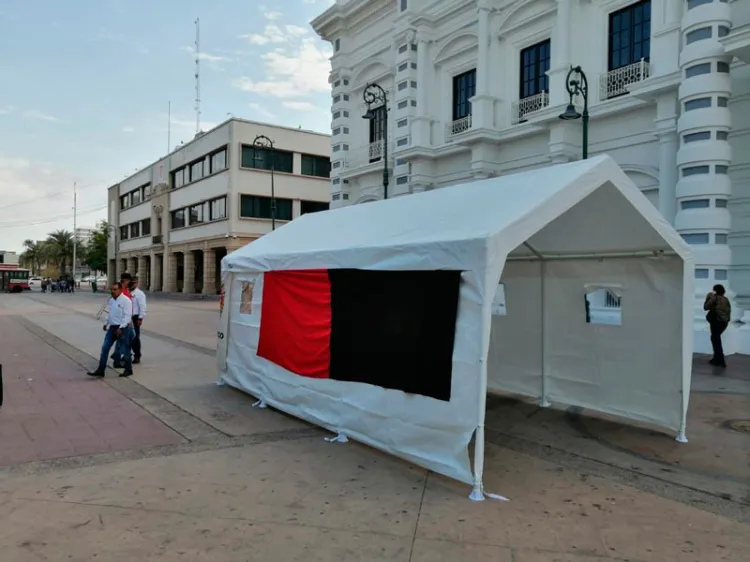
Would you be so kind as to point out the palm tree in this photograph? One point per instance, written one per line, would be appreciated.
(59, 244)
(34, 254)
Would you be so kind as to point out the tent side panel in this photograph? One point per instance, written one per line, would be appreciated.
(223, 328)
(633, 370)
(432, 433)
(515, 356)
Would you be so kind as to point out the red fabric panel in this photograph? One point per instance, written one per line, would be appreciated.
(295, 321)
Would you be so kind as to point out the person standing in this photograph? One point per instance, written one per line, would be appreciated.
(117, 329)
(139, 314)
(719, 313)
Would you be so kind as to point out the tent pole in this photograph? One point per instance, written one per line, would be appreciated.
(543, 402)
(655, 254)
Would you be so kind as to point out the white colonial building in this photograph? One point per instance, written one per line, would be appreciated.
(476, 87)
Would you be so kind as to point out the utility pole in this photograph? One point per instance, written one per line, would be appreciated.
(75, 237)
(197, 75)
(169, 127)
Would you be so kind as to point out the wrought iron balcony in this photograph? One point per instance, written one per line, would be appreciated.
(155, 240)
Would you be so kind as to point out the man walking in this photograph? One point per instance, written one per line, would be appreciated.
(125, 280)
(117, 328)
(139, 314)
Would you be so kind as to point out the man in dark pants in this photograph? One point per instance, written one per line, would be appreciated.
(139, 314)
(719, 313)
(117, 329)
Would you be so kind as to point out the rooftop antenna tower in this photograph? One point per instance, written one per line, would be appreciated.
(197, 75)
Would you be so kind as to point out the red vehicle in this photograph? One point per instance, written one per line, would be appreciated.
(14, 280)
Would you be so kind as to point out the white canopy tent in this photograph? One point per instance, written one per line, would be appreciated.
(550, 235)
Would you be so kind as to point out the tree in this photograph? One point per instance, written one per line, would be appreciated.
(95, 253)
(34, 255)
(60, 247)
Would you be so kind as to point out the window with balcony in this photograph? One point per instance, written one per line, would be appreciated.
(377, 132)
(534, 82)
(629, 48)
(312, 207)
(257, 207)
(317, 166)
(267, 159)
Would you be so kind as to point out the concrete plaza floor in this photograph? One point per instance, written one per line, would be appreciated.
(239, 484)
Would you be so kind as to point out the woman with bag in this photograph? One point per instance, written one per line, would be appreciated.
(719, 312)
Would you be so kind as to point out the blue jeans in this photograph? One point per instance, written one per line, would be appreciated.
(118, 355)
(123, 344)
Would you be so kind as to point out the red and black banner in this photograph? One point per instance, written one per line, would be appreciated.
(393, 329)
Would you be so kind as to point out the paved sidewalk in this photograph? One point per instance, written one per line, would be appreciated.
(52, 409)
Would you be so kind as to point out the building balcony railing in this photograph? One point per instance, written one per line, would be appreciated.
(457, 127)
(156, 239)
(615, 82)
(375, 151)
(527, 105)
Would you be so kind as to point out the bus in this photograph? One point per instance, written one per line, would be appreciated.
(14, 280)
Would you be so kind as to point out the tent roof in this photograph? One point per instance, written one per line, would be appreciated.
(583, 207)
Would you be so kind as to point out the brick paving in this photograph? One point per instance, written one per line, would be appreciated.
(52, 409)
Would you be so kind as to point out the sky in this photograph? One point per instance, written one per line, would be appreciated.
(85, 87)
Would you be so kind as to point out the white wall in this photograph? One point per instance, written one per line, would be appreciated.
(210, 230)
(215, 185)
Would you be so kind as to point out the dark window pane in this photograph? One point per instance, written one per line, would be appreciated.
(256, 207)
(178, 218)
(318, 166)
(535, 62)
(145, 227)
(464, 88)
(313, 207)
(267, 159)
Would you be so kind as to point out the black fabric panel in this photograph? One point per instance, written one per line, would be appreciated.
(394, 329)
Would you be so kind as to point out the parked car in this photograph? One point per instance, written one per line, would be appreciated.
(35, 283)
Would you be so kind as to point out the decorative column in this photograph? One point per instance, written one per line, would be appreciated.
(144, 271)
(666, 132)
(560, 55)
(170, 278)
(209, 271)
(421, 124)
(704, 155)
(154, 273)
(189, 272)
(483, 104)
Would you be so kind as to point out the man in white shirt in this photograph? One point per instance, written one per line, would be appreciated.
(139, 315)
(118, 328)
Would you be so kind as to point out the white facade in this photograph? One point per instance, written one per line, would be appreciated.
(476, 87)
(211, 196)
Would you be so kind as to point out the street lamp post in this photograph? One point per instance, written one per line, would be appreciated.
(578, 86)
(263, 142)
(375, 94)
